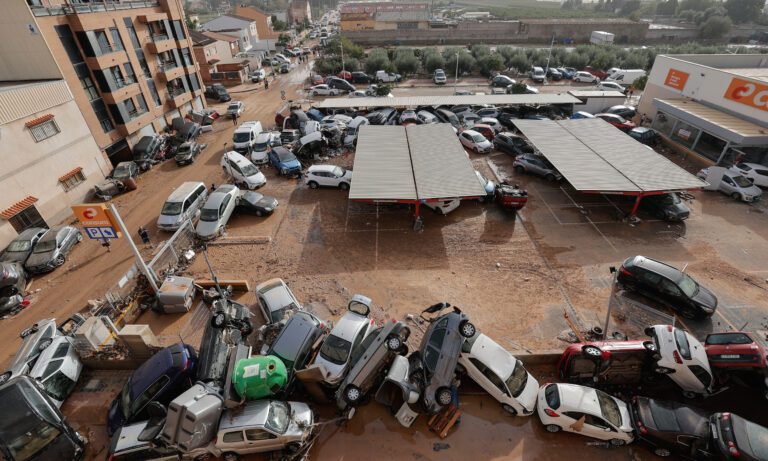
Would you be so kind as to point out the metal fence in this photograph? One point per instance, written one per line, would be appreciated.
(171, 257)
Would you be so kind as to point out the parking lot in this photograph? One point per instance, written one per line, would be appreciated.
(515, 275)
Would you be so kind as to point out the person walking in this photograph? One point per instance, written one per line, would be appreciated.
(266, 84)
(144, 235)
(234, 119)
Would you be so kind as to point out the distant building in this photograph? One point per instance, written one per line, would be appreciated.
(299, 11)
(213, 52)
(267, 35)
(401, 20)
(50, 159)
(364, 15)
(244, 29)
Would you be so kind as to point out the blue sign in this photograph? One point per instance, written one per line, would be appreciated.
(101, 233)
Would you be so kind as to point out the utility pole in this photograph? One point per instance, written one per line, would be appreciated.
(456, 76)
(151, 277)
(549, 56)
(341, 44)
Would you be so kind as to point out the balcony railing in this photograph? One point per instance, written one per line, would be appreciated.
(132, 115)
(173, 94)
(166, 66)
(123, 82)
(107, 49)
(159, 37)
(93, 7)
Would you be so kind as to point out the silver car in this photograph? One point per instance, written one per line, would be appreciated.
(52, 249)
(735, 185)
(21, 247)
(345, 338)
(216, 212)
(536, 164)
(58, 369)
(275, 299)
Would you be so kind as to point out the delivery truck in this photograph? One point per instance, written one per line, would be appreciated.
(601, 38)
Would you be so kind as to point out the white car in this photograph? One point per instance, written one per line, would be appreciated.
(242, 170)
(443, 206)
(493, 123)
(475, 142)
(611, 86)
(58, 369)
(235, 109)
(500, 374)
(353, 127)
(732, 183)
(261, 147)
(683, 358)
(275, 299)
(586, 411)
(216, 212)
(439, 77)
(358, 94)
(258, 75)
(323, 90)
(328, 176)
(345, 338)
(585, 77)
(754, 171)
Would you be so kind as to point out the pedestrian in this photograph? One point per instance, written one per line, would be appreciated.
(266, 84)
(234, 119)
(105, 243)
(631, 92)
(213, 187)
(144, 235)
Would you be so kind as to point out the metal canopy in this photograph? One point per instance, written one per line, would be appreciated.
(720, 124)
(411, 164)
(416, 101)
(594, 156)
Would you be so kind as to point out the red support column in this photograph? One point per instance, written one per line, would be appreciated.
(417, 208)
(636, 206)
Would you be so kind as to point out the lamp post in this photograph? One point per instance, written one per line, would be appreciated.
(456, 75)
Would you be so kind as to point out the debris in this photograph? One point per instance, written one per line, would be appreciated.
(437, 446)
(498, 264)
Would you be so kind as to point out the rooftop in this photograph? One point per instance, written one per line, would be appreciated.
(416, 101)
(754, 66)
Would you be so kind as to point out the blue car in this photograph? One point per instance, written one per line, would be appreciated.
(162, 378)
(284, 161)
(581, 114)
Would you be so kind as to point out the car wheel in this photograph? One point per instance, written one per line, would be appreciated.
(312, 185)
(314, 93)
(690, 395)
(352, 395)
(662, 452)
(481, 200)
(467, 329)
(550, 177)
(59, 261)
(553, 428)
(229, 456)
(520, 169)
(394, 343)
(649, 346)
(5, 377)
(293, 447)
(344, 186)
(592, 352)
(736, 196)
(44, 344)
(663, 370)
(509, 409)
(617, 442)
(443, 396)
(219, 320)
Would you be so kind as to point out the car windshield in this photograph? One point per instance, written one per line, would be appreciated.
(45, 246)
(125, 400)
(336, 350)
(19, 245)
(728, 338)
(58, 385)
(741, 181)
(609, 408)
(351, 131)
(682, 344)
(744, 166)
(516, 382)
(688, 286)
(171, 208)
(232, 108)
(242, 136)
(670, 199)
(249, 169)
(209, 214)
(279, 416)
(286, 156)
(121, 172)
(262, 146)
(478, 138)
(27, 424)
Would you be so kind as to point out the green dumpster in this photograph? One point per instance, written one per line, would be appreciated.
(259, 376)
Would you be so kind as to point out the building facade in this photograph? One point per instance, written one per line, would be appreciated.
(50, 158)
(299, 11)
(364, 16)
(267, 35)
(243, 28)
(129, 64)
(713, 105)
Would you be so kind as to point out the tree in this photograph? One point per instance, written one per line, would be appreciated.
(640, 82)
(383, 90)
(405, 62)
(696, 5)
(743, 10)
(278, 25)
(377, 60)
(629, 7)
(715, 27)
(479, 51)
(519, 88)
(519, 62)
(192, 25)
(434, 61)
(489, 63)
(667, 8)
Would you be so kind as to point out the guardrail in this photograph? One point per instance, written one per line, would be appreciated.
(93, 7)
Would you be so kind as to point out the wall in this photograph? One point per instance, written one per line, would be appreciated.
(24, 55)
(36, 172)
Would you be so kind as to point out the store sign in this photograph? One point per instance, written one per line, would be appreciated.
(685, 135)
(676, 79)
(749, 93)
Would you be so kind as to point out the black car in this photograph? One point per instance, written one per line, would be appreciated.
(644, 135)
(667, 285)
(554, 74)
(511, 144)
(187, 132)
(508, 119)
(217, 92)
(361, 77)
(294, 343)
(668, 207)
(502, 81)
(187, 153)
(21, 247)
(739, 439)
(624, 111)
(255, 203)
(12, 284)
(147, 150)
(385, 116)
(339, 84)
(672, 428)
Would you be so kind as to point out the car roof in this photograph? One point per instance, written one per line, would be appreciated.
(181, 192)
(52, 234)
(253, 413)
(27, 234)
(493, 356)
(293, 336)
(671, 416)
(322, 167)
(263, 136)
(49, 355)
(237, 157)
(751, 438)
(349, 325)
(275, 293)
(157, 365)
(582, 398)
(656, 266)
(472, 132)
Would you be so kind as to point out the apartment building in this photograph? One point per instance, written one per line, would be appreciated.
(128, 63)
(49, 158)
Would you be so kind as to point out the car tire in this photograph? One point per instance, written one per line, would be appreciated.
(313, 185)
(736, 196)
(591, 352)
(59, 261)
(662, 452)
(467, 329)
(219, 320)
(230, 456)
(313, 94)
(344, 186)
(443, 396)
(553, 428)
(550, 177)
(509, 409)
(649, 346)
(43, 345)
(617, 442)
(662, 370)
(394, 343)
(5, 377)
(520, 169)
(352, 395)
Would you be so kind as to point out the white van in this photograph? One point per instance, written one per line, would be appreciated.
(625, 76)
(245, 136)
(183, 204)
(537, 74)
(282, 58)
(242, 170)
(352, 128)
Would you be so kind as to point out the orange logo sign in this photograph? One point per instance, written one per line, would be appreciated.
(92, 215)
(749, 93)
(676, 79)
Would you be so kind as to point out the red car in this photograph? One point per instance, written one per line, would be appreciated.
(735, 350)
(485, 130)
(345, 74)
(613, 362)
(601, 74)
(618, 121)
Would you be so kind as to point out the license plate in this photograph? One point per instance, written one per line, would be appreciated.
(730, 356)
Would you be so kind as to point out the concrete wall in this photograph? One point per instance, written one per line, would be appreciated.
(33, 168)
(24, 55)
(672, 35)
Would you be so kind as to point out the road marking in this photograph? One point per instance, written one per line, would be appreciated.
(540, 197)
(592, 223)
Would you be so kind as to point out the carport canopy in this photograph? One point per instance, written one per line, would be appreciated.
(596, 157)
(417, 101)
(412, 164)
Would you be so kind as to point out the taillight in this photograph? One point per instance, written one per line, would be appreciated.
(677, 357)
(726, 416)
(641, 427)
(733, 450)
(551, 413)
(623, 271)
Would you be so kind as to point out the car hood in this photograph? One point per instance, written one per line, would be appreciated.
(527, 398)
(301, 416)
(168, 220)
(207, 229)
(291, 164)
(270, 202)
(184, 155)
(705, 298)
(485, 144)
(38, 259)
(14, 256)
(256, 179)
(333, 372)
(259, 156)
(752, 190)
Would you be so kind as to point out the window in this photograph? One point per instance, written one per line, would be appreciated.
(142, 102)
(102, 115)
(89, 88)
(44, 130)
(663, 123)
(669, 287)
(103, 41)
(69, 43)
(143, 64)
(682, 344)
(258, 434)
(187, 57)
(71, 182)
(116, 40)
(685, 134)
(649, 277)
(153, 92)
(178, 30)
(710, 146)
(132, 33)
(30, 217)
(130, 76)
(233, 437)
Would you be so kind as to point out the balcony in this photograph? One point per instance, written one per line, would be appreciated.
(93, 7)
(160, 43)
(178, 98)
(108, 56)
(124, 88)
(169, 71)
(136, 120)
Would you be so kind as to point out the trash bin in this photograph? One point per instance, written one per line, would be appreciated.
(259, 376)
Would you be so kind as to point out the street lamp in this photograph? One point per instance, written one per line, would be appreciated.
(456, 76)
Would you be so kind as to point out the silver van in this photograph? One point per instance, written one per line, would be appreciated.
(182, 205)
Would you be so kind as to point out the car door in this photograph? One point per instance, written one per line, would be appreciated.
(572, 421)
(597, 427)
(433, 351)
(225, 210)
(727, 185)
(466, 141)
(647, 282)
(670, 293)
(487, 379)
(259, 440)
(759, 176)
(232, 440)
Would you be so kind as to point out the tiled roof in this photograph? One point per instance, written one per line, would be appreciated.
(18, 207)
(39, 120)
(70, 173)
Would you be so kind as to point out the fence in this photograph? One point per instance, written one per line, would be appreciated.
(171, 257)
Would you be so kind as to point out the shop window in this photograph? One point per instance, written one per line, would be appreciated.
(685, 134)
(44, 130)
(710, 146)
(663, 123)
